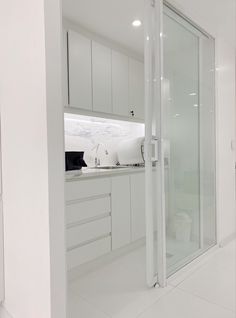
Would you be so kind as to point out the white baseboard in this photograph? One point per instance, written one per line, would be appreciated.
(227, 239)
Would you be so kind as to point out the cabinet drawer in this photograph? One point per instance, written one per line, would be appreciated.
(81, 211)
(88, 252)
(76, 190)
(90, 231)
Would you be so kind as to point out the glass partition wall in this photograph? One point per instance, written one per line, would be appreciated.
(109, 60)
(180, 108)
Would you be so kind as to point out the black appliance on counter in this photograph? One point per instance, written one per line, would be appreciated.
(74, 160)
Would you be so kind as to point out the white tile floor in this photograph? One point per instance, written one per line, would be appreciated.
(118, 290)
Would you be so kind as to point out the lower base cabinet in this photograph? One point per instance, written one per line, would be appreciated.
(120, 207)
(103, 215)
(88, 252)
(137, 195)
(87, 232)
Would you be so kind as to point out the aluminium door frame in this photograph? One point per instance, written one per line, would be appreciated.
(153, 39)
(155, 194)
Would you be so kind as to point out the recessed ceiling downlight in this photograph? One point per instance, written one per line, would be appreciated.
(136, 23)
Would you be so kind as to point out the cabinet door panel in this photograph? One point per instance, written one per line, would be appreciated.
(80, 71)
(120, 83)
(88, 252)
(85, 210)
(89, 231)
(121, 235)
(137, 186)
(82, 189)
(136, 88)
(101, 70)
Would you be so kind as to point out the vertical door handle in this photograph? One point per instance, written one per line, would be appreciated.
(155, 155)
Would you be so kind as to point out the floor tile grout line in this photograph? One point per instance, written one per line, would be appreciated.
(155, 302)
(203, 298)
(188, 293)
(92, 305)
(193, 271)
(172, 288)
(84, 297)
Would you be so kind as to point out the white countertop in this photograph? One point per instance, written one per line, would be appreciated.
(94, 172)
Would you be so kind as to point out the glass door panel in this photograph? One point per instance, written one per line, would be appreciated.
(181, 134)
(189, 140)
(179, 141)
(207, 143)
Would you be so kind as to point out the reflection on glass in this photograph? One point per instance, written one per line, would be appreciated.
(189, 147)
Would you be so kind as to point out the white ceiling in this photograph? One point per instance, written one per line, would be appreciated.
(110, 18)
(217, 17)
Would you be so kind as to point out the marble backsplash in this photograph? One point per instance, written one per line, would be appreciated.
(83, 133)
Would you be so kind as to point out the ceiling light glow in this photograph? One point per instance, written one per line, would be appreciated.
(136, 23)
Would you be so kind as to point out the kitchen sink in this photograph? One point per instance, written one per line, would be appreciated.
(109, 167)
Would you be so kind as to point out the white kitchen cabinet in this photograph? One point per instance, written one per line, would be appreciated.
(137, 194)
(90, 231)
(136, 88)
(103, 214)
(120, 84)
(99, 79)
(101, 76)
(121, 221)
(82, 189)
(87, 209)
(88, 219)
(80, 71)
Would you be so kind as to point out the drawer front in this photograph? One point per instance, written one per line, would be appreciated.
(88, 252)
(76, 190)
(82, 211)
(90, 231)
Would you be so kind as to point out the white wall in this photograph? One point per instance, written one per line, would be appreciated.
(32, 146)
(226, 132)
(218, 18)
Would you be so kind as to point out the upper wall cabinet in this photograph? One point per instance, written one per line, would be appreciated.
(136, 88)
(80, 71)
(101, 77)
(120, 83)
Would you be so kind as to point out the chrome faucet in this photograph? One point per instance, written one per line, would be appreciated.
(96, 159)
